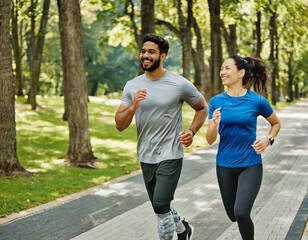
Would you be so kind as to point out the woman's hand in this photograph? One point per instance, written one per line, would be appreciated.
(260, 145)
(216, 116)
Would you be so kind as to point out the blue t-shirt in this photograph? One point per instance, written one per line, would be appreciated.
(237, 128)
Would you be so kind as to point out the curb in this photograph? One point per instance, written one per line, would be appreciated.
(60, 201)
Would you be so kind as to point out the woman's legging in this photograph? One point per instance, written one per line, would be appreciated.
(239, 188)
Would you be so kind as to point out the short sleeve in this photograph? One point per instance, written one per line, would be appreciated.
(190, 94)
(126, 96)
(211, 108)
(265, 109)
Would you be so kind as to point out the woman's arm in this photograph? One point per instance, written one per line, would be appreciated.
(261, 144)
(212, 128)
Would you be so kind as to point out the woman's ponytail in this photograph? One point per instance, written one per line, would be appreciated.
(259, 74)
(256, 73)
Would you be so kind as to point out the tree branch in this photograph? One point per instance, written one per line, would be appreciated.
(169, 26)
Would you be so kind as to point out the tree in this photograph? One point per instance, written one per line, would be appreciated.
(183, 32)
(17, 47)
(147, 17)
(202, 71)
(228, 24)
(257, 35)
(73, 61)
(9, 164)
(273, 57)
(216, 52)
(147, 21)
(37, 58)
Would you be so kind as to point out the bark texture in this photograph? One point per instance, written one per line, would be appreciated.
(216, 52)
(9, 164)
(17, 50)
(73, 60)
(38, 53)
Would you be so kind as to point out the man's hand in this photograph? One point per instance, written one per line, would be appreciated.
(138, 97)
(125, 114)
(186, 137)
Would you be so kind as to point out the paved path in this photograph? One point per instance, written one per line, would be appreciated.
(120, 209)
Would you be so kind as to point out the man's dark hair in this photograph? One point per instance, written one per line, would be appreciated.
(162, 43)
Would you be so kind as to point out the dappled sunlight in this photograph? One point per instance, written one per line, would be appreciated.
(126, 144)
(100, 179)
(293, 115)
(44, 165)
(203, 189)
(202, 205)
(295, 152)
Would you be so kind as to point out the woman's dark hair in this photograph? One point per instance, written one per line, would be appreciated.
(162, 43)
(256, 72)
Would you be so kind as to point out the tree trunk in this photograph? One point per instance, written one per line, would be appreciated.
(183, 33)
(216, 52)
(138, 36)
(147, 21)
(94, 88)
(73, 60)
(147, 17)
(132, 18)
(258, 33)
(276, 67)
(31, 35)
(17, 51)
(202, 77)
(272, 55)
(186, 35)
(37, 60)
(290, 77)
(230, 38)
(296, 96)
(9, 164)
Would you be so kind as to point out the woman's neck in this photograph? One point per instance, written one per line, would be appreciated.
(236, 92)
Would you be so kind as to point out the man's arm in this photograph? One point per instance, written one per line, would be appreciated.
(125, 114)
(201, 111)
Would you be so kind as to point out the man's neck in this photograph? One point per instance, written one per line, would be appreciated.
(157, 74)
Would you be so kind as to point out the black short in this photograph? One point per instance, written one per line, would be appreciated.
(161, 180)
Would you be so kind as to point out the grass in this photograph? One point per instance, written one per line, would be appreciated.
(42, 143)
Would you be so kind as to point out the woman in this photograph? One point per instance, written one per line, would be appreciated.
(234, 115)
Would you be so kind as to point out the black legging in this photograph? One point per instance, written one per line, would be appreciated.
(239, 188)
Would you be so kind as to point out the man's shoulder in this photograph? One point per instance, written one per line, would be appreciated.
(175, 76)
(135, 81)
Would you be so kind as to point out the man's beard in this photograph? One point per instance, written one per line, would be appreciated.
(154, 66)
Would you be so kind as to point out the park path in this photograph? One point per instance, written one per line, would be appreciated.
(120, 209)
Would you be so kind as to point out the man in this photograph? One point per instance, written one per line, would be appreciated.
(156, 98)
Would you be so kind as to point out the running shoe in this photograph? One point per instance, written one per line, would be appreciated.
(188, 233)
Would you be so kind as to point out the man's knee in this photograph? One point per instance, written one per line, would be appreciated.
(161, 207)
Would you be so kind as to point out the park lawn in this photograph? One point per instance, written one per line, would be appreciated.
(42, 143)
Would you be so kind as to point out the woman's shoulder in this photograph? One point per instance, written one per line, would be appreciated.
(219, 97)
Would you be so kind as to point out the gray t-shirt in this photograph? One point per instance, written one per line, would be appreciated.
(159, 117)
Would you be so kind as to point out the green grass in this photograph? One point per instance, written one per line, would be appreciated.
(42, 143)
